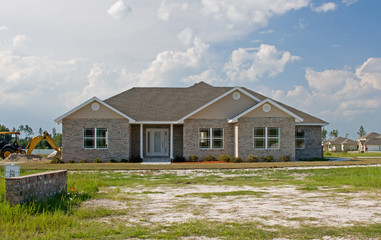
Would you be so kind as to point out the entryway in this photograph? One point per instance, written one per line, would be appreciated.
(157, 142)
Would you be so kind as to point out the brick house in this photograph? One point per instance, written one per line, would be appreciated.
(200, 119)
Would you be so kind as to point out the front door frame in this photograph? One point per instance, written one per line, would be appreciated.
(164, 152)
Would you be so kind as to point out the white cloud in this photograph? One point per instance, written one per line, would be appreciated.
(3, 28)
(19, 41)
(186, 36)
(335, 94)
(251, 64)
(301, 24)
(325, 7)
(165, 9)
(349, 2)
(119, 10)
(267, 31)
(208, 76)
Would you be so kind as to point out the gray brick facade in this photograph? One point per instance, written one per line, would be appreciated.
(191, 137)
(313, 147)
(118, 139)
(286, 136)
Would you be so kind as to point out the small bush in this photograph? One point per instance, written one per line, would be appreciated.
(83, 161)
(236, 159)
(71, 161)
(124, 160)
(97, 160)
(179, 159)
(285, 158)
(225, 158)
(56, 160)
(136, 159)
(209, 158)
(112, 160)
(268, 158)
(193, 158)
(252, 158)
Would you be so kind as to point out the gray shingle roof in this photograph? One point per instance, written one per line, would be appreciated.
(172, 104)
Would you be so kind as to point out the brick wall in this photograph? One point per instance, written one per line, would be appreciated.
(191, 138)
(40, 185)
(118, 139)
(313, 147)
(246, 136)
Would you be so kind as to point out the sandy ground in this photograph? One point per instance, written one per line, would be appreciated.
(283, 205)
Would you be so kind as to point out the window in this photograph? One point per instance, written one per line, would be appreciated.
(94, 138)
(211, 138)
(266, 138)
(299, 139)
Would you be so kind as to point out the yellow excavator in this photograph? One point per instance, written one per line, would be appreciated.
(7, 149)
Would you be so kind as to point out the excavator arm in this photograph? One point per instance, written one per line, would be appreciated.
(35, 140)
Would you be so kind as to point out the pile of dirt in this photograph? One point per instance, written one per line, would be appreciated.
(16, 157)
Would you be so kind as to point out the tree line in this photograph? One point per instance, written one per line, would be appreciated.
(335, 133)
(26, 134)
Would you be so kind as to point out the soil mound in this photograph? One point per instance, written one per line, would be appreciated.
(16, 157)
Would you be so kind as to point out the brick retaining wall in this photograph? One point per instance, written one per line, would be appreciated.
(40, 185)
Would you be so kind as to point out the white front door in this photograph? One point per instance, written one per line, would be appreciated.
(157, 142)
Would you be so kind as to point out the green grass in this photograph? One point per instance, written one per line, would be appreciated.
(352, 154)
(62, 217)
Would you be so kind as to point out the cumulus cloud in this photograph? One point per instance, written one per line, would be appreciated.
(166, 8)
(19, 41)
(119, 10)
(250, 64)
(339, 93)
(186, 36)
(325, 7)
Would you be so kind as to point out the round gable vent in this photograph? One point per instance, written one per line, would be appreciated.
(236, 95)
(266, 107)
(95, 106)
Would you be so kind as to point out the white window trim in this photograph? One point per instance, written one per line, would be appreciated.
(95, 138)
(211, 139)
(266, 139)
(299, 138)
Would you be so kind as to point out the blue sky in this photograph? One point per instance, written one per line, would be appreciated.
(322, 57)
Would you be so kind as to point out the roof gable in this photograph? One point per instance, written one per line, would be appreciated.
(86, 104)
(255, 107)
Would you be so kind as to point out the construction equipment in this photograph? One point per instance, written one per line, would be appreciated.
(7, 149)
(35, 140)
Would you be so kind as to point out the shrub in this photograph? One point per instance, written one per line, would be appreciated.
(112, 160)
(209, 158)
(193, 158)
(136, 159)
(285, 158)
(179, 159)
(71, 161)
(252, 158)
(56, 160)
(83, 161)
(236, 160)
(225, 158)
(124, 160)
(97, 160)
(268, 158)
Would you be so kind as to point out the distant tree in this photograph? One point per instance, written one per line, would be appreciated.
(346, 135)
(40, 131)
(54, 132)
(21, 129)
(5, 138)
(361, 131)
(334, 133)
(323, 134)
(28, 131)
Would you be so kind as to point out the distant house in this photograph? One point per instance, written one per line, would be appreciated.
(370, 142)
(340, 144)
(201, 119)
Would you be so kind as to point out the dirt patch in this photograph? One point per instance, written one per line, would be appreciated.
(276, 205)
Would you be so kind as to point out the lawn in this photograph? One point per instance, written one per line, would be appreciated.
(195, 203)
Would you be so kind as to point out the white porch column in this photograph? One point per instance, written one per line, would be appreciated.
(171, 143)
(141, 141)
(236, 141)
